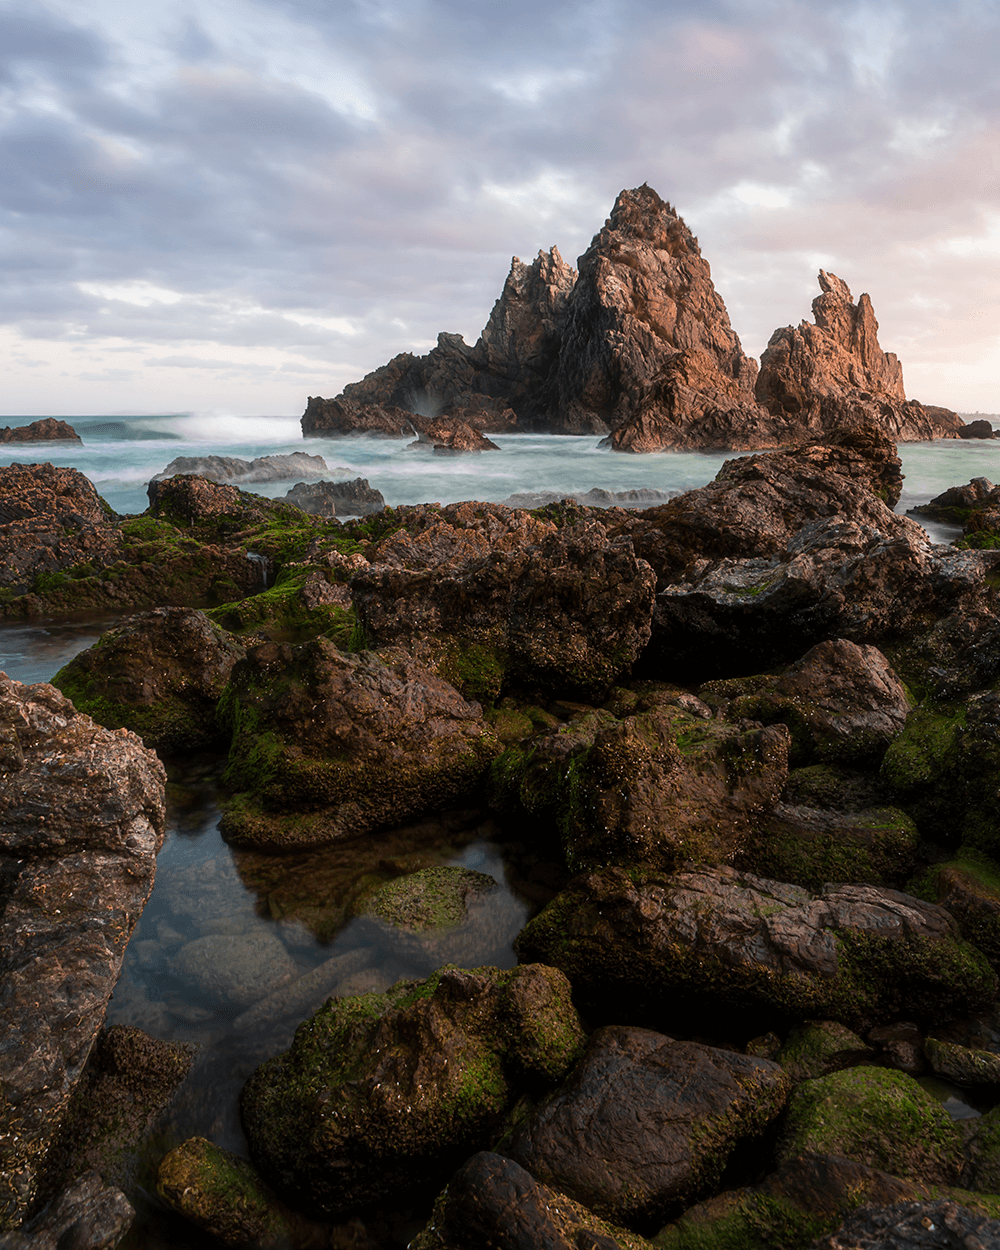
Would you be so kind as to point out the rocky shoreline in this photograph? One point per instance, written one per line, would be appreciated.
(755, 727)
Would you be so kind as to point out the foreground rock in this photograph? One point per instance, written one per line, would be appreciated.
(82, 818)
(327, 746)
(160, 674)
(809, 372)
(382, 1094)
(87, 1215)
(709, 945)
(48, 430)
(930, 1225)
(498, 600)
(645, 1124)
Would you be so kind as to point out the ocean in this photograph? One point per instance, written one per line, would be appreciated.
(204, 893)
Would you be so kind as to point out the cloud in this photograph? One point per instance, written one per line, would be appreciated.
(345, 181)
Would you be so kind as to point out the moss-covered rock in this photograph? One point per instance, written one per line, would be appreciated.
(328, 746)
(222, 1195)
(962, 1064)
(969, 888)
(818, 1047)
(881, 1118)
(658, 787)
(383, 1094)
(430, 900)
(716, 945)
(982, 1153)
(302, 604)
(160, 674)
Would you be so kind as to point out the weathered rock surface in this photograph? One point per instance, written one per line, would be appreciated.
(237, 970)
(819, 1047)
(81, 819)
(192, 500)
(382, 1094)
(940, 1224)
(497, 599)
(968, 888)
(232, 470)
(880, 1118)
(657, 788)
(808, 372)
(334, 418)
(355, 498)
(652, 948)
(977, 429)
(449, 435)
(492, 1201)
(329, 746)
(645, 1124)
(48, 430)
(160, 673)
(87, 1215)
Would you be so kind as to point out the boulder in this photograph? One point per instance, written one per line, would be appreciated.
(977, 429)
(382, 1095)
(982, 1153)
(819, 1047)
(496, 600)
(48, 430)
(880, 1118)
(355, 498)
(188, 500)
(449, 435)
(968, 887)
(932, 1224)
(160, 674)
(81, 820)
(962, 1065)
(808, 372)
(645, 1124)
(86, 1215)
(714, 945)
(493, 1201)
(234, 970)
(232, 470)
(655, 788)
(327, 746)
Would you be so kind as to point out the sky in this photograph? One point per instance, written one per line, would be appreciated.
(227, 208)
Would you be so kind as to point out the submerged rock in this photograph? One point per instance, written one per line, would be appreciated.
(645, 1124)
(81, 820)
(381, 1095)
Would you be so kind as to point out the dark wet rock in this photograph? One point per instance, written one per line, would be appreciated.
(222, 1195)
(656, 788)
(939, 1224)
(838, 578)
(160, 674)
(647, 947)
(955, 504)
(881, 1118)
(756, 505)
(968, 887)
(452, 436)
(48, 430)
(809, 372)
(842, 703)
(129, 1079)
(962, 1065)
(804, 1198)
(819, 1047)
(900, 1046)
(982, 1153)
(232, 470)
(809, 846)
(498, 600)
(87, 1215)
(333, 418)
(355, 498)
(492, 1201)
(328, 746)
(188, 500)
(382, 1095)
(81, 819)
(943, 769)
(977, 429)
(645, 1124)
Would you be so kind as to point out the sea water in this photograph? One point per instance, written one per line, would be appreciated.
(205, 894)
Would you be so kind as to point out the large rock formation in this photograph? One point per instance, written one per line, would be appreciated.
(639, 347)
(48, 430)
(811, 373)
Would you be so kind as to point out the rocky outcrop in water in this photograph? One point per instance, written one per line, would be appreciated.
(638, 346)
(81, 820)
(48, 430)
(232, 470)
(812, 373)
(355, 498)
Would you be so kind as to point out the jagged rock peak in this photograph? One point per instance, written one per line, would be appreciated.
(642, 214)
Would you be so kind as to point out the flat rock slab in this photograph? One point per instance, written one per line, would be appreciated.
(645, 1124)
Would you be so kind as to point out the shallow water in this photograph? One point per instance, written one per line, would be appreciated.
(216, 918)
